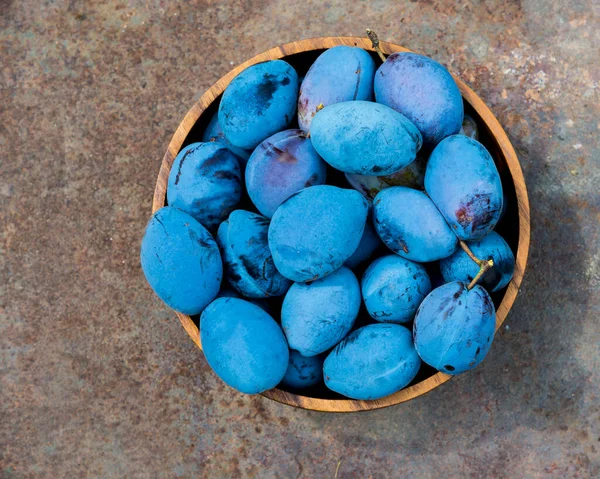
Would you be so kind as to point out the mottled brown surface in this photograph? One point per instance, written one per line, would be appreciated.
(98, 379)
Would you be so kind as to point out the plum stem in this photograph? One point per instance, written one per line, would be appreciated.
(375, 42)
(484, 265)
(483, 268)
(470, 254)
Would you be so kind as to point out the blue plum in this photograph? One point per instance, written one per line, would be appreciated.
(423, 91)
(316, 316)
(338, 74)
(463, 182)
(280, 166)
(181, 261)
(454, 327)
(243, 345)
(316, 230)
(459, 267)
(303, 372)
(372, 362)
(410, 225)
(393, 288)
(367, 246)
(259, 102)
(205, 182)
(469, 128)
(248, 262)
(214, 133)
(411, 176)
(364, 138)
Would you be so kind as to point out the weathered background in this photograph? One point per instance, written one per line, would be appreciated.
(98, 379)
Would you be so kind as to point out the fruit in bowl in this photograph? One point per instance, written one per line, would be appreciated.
(328, 235)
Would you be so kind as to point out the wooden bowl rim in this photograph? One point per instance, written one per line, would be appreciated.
(506, 149)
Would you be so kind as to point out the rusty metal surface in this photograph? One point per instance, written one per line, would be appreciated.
(98, 379)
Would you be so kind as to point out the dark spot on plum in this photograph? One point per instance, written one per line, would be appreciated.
(266, 89)
(357, 83)
(233, 277)
(376, 169)
(456, 295)
(285, 81)
(225, 175)
(281, 156)
(261, 221)
(402, 245)
(311, 180)
(351, 338)
(162, 224)
(448, 367)
(184, 157)
(415, 276)
(488, 339)
(287, 120)
(477, 212)
(197, 239)
(478, 351)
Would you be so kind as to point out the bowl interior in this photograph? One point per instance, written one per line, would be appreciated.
(321, 398)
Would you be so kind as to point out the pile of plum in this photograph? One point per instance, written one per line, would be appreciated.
(359, 192)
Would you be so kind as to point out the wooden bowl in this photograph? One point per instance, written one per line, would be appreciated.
(514, 227)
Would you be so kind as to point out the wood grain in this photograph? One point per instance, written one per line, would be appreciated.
(504, 156)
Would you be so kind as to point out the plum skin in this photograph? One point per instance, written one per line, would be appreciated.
(454, 327)
(214, 133)
(372, 362)
(393, 288)
(258, 103)
(463, 182)
(424, 91)
(205, 182)
(181, 261)
(243, 345)
(280, 166)
(316, 316)
(339, 74)
(248, 261)
(414, 230)
(364, 138)
(307, 245)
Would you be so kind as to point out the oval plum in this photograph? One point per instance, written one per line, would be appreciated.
(205, 182)
(364, 138)
(422, 90)
(280, 166)
(372, 362)
(339, 74)
(181, 261)
(243, 345)
(410, 225)
(454, 327)
(307, 243)
(393, 288)
(463, 182)
(316, 316)
(258, 103)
